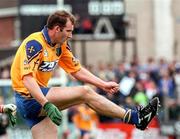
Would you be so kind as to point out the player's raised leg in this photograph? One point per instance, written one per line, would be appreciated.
(66, 97)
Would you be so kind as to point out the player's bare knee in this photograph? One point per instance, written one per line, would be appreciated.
(88, 92)
(88, 89)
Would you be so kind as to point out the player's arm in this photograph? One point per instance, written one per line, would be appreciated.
(32, 86)
(72, 65)
(86, 76)
(30, 56)
(52, 111)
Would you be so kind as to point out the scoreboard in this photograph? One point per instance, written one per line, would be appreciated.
(103, 17)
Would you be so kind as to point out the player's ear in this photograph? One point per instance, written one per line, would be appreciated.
(58, 29)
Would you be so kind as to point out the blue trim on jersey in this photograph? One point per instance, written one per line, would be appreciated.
(68, 47)
(46, 35)
(33, 48)
(29, 108)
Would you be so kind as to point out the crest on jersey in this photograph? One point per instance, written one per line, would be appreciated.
(75, 61)
(33, 48)
(25, 62)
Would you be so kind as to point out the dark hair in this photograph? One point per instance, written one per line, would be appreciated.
(59, 18)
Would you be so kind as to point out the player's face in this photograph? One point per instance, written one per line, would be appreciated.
(65, 33)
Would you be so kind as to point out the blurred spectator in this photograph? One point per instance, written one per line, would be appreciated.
(163, 64)
(85, 120)
(150, 86)
(140, 97)
(151, 65)
(72, 130)
(167, 92)
(151, 89)
(152, 69)
(5, 74)
(110, 73)
(172, 68)
(177, 82)
(77, 28)
(166, 85)
(127, 83)
(87, 26)
(120, 71)
(3, 123)
(101, 71)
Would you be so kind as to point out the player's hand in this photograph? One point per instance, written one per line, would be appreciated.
(53, 113)
(10, 110)
(111, 87)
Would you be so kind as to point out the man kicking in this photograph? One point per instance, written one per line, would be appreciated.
(32, 68)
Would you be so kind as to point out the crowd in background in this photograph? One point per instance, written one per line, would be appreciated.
(139, 82)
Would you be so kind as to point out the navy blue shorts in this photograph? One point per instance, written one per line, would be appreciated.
(29, 108)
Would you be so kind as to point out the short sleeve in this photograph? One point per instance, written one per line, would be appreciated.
(67, 61)
(30, 57)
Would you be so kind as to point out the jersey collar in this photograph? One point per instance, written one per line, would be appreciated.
(46, 35)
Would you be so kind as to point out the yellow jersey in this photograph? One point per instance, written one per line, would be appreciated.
(38, 57)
